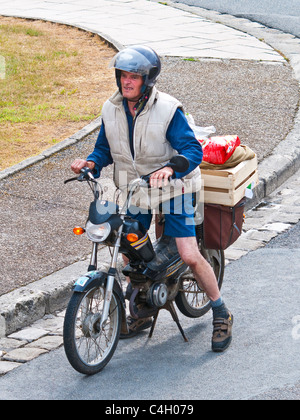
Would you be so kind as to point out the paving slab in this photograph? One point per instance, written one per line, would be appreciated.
(6, 367)
(51, 342)
(23, 355)
(29, 334)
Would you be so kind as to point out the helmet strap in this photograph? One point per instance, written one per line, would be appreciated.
(139, 105)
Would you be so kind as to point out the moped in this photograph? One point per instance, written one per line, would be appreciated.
(96, 314)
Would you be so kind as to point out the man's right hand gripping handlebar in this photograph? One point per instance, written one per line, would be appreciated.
(78, 164)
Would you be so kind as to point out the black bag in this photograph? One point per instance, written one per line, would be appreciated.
(222, 225)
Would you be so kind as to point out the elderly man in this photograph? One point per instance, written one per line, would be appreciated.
(142, 129)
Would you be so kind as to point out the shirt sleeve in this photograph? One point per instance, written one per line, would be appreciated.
(101, 154)
(183, 140)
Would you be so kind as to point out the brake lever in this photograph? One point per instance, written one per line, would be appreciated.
(70, 180)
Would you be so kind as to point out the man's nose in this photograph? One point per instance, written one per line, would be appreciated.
(126, 80)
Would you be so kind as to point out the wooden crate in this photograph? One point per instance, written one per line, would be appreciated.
(228, 186)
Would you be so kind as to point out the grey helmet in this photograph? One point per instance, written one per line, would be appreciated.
(138, 59)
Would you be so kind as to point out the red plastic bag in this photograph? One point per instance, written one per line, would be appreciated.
(217, 150)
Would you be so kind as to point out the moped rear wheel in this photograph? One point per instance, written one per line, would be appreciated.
(191, 300)
(88, 347)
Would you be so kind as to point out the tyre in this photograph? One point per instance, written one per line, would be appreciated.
(191, 300)
(89, 348)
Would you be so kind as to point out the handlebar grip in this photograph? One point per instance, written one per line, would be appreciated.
(146, 178)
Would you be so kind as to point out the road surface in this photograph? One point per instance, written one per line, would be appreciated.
(278, 14)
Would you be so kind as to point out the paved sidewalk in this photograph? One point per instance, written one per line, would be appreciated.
(173, 32)
(170, 31)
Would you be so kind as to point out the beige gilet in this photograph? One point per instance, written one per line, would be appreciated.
(152, 150)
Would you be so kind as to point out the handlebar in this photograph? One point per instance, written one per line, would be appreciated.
(86, 175)
(179, 164)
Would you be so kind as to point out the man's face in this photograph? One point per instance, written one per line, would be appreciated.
(131, 85)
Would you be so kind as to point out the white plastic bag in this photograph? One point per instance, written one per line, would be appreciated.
(201, 133)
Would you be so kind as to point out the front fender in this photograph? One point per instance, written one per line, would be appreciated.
(96, 279)
(90, 280)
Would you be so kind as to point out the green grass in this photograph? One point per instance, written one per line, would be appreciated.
(46, 84)
(31, 75)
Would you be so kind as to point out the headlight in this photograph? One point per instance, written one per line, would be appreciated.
(97, 233)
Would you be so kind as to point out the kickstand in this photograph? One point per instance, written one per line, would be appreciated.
(169, 306)
(153, 325)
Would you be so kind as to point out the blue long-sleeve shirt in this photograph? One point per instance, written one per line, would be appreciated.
(179, 134)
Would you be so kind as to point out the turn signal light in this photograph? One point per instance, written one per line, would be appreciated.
(78, 230)
(132, 237)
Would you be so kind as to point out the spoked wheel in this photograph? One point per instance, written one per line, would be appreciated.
(88, 347)
(191, 300)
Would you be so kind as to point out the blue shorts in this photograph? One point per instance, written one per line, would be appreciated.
(179, 216)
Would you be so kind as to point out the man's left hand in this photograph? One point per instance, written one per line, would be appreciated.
(161, 178)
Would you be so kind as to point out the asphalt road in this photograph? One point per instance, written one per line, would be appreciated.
(278, 14)
(262, 363)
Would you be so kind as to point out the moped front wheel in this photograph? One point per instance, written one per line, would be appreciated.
(87, 346)
(191, 300)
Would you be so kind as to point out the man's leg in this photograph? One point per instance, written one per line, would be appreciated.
(205, 277)
(202, 270)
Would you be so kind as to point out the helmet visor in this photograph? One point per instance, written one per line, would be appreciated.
(132, 61)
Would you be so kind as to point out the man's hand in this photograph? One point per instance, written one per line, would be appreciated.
(161, 178)
(78, 164)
